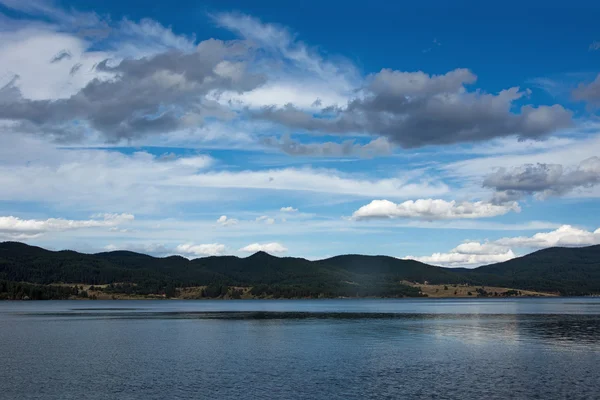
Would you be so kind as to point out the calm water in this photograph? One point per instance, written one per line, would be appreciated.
(313, 349)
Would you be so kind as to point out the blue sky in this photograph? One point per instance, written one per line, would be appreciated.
(459, 135)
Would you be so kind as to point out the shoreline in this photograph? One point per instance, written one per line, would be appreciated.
(307, 298)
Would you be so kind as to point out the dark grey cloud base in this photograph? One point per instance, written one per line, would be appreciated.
(589, 92)
(542, 180)
(156, 94)
(376, 147)
(413, 109)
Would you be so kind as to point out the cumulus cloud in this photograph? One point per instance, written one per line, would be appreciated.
(471, 254)
(144, 80)
(266, 247)
(127, 80)
(156, 94)
(432, 209)
(415, 109)
(265, 219)
(595, 45)
(288, 209)
(225, 221)
(19, 229)
(376, 147)
(462, 257)
(542, 180)
(589, 92)
(211, 249)
(565, 236)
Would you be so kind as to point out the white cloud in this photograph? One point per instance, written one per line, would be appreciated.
(100, 179)
(544, 180)
(120, 230)
(162, 249)
(266, 247)
(211, 249)
(225, 221)
(93, 179)
(265, 219)
(31, 50)
(472, 254)
(148, 37)
(480, 249)
(566, 153)
(27, 54)
(298, 74)
(432, 209)
(16, 228)
(156, 249)
(455, 258)
(311, 180)
(565, 236)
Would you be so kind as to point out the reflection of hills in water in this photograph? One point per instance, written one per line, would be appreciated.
(556, 328)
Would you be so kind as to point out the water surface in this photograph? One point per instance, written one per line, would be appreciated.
(301, 349)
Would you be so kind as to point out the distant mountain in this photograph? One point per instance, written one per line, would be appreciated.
(570, 271)
(366, 267)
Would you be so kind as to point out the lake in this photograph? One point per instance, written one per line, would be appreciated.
(301, 349)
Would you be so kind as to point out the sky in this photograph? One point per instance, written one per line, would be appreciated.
(458, 134)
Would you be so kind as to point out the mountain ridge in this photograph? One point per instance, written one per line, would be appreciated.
(569, 271)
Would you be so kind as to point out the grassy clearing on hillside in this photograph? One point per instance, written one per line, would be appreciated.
(438, 291)
(432, 291)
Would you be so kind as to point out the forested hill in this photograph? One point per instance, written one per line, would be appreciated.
(571, 271)
(568, 271)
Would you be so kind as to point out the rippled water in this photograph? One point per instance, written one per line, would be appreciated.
(301, 349)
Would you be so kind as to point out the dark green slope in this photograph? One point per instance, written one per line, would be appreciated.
(363, 268)
(23, 263)
(566, 270)
(570, 271)
(269, 275)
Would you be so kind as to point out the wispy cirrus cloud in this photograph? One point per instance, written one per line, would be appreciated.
(97, 179)
(298, 73)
